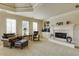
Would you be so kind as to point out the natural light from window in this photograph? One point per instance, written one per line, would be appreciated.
(11, 25)
(25, 27)
(35, 26)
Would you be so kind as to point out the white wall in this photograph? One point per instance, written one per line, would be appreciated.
(73, 17)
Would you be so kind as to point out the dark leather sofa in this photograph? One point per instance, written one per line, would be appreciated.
(7, 35)
(15, 38)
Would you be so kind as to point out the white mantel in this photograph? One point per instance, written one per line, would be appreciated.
(69, 29)
(72, 30)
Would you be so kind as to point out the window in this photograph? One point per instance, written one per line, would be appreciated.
(35, 26)
(25, 27)
(11, 26)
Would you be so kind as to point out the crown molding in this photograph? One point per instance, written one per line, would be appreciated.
(17, 9)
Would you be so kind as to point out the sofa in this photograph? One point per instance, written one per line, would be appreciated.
(10, 39)
(7, 35)
(5, 39)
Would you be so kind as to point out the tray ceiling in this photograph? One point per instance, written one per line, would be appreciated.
(17, 5)
(40, 10)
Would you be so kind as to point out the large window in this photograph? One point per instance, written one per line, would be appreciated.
(25, 27)
(35, 26)
(11, 26)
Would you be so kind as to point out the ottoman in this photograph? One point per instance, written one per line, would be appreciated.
(21, 43)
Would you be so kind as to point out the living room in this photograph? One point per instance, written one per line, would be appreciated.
(55, 27)
(14, 26)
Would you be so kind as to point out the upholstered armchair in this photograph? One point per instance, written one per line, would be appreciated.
(36, 36)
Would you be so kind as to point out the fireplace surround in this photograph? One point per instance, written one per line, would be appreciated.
(63, 36)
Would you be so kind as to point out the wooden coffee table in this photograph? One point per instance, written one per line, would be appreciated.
(29, 37)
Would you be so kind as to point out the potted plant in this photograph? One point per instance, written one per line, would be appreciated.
(25, 31)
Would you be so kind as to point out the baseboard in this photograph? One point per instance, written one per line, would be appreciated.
(62, 43)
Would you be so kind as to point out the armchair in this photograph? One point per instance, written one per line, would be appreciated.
(36, 35)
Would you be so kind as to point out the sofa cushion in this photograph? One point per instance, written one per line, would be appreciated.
(7, 35)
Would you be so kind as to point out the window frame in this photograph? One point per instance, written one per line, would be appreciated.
(35, 26)
(27, 26)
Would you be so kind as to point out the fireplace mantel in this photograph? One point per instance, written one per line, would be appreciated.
(69, 29)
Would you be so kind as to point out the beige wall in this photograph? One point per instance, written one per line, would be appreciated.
(19, 19)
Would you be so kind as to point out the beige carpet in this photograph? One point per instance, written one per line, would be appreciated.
(40, 48)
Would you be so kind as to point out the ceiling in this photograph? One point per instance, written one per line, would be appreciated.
(19, 5)
(41, 10)
(9, 4)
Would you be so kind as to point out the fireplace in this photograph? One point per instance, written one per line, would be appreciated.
(60, 35)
